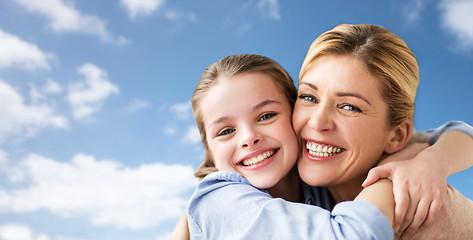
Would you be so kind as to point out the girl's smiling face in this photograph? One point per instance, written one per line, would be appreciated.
(341, 118)
(247, 120)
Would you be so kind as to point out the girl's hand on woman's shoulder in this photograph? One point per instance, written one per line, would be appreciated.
(419, 186)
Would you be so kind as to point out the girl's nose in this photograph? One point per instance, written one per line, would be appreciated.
(250, 138)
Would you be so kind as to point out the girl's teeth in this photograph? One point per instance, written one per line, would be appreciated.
(257, 159)
(322, 150)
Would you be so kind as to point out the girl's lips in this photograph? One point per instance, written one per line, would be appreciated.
(258, 159)
(321, 151)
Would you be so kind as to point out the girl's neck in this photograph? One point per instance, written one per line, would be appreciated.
(288, 188)
(348, 190)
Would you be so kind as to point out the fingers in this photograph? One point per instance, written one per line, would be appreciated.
(406, 207)
(375, 174)
(402, 200)
(409, 216)
(419, 218)
(434, 211)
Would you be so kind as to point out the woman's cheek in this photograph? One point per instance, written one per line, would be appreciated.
(298, 120)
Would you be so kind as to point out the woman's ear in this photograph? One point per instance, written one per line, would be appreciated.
(399, 136)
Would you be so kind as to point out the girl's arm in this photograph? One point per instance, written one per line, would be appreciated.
(181, 231)
(226, 205)
(419, 174)
(380, 194)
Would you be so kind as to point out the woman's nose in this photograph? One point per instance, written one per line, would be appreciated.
(321, 119)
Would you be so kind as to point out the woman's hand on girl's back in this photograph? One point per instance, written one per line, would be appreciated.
(419, 187)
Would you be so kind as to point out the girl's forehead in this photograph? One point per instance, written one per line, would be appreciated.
(253, 83)
(233, 96)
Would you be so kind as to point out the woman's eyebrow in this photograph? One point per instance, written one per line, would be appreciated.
(308, 84)
(356, 95)
(339, 94)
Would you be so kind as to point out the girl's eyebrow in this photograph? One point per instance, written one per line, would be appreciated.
(264, 103)
(218, 120)
(256, 107)
(339, 94)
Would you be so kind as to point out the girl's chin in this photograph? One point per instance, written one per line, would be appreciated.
(263, 183)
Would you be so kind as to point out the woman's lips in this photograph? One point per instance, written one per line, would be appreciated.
(321, 151)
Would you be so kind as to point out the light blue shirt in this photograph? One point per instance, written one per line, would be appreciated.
(226, 206)
(434, 134)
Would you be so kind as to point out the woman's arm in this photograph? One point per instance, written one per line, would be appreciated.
(454, 150)
(419, 176)
(181, 231)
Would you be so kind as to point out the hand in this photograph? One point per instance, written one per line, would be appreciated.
(419, 186)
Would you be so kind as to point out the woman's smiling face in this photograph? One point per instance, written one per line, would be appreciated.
(247, 120)
(341, 118)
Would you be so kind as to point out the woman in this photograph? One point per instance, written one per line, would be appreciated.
(357, 88)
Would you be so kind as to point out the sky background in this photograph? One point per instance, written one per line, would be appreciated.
(97, 139)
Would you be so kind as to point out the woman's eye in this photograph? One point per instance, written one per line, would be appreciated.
(351, 108)
(266, 116)
(225, 132)
(308, 98)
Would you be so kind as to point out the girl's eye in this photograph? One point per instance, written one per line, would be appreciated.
(225, 132)
(308, 98)
(266, 116)
(352, 110)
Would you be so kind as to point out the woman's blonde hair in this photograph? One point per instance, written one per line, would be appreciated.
(227, 68)
(385, 55)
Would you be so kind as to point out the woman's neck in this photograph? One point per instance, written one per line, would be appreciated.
(348, 190)
(288, 188)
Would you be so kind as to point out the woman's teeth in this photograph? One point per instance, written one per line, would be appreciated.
(320, 150)
(257, 159)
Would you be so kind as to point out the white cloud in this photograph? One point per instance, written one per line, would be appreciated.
(103, 191)
(16, 52)
(243, 28)
(13, 231)
(192, 136)
(457, 19)
(52, 87)
(412, 9)
(39, 94)
(182, 110)
(170, 131)
(164, 237)
(270, 8)
(137, 104)
(141, 7)
(87, 95)
(179, 15)
(63, 17)
(20, 119)
(3, 158)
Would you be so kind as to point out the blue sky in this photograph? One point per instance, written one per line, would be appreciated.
(97, 139)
